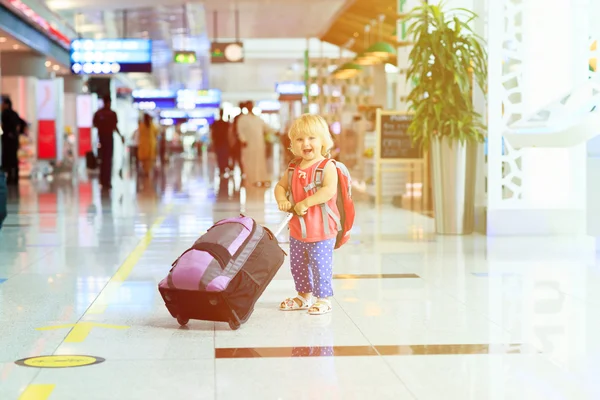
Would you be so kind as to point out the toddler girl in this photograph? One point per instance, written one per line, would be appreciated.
(311, 241)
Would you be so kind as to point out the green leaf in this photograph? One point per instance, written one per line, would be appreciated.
(460, 63)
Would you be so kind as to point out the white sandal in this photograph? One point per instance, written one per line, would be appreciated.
(295, 304)
(320, 307)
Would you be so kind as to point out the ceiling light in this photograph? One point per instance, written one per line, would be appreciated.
(364, 59)
(15, 46)
(56, 68)
(346, 71)
(48, 63)
(382, 50)
(2, 39)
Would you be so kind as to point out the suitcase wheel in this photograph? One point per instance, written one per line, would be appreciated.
(182, 320)
(234, 325)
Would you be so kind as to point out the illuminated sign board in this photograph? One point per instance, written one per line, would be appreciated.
(189, 99)
(181, 114)
(151, 99)
(152, 104)
(269, 105)
(185, 57)
(48, 27)
(110, 56)
(195, 117)
(153, 94)
(290, 88)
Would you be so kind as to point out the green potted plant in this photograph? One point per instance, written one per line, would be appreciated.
(447, 61)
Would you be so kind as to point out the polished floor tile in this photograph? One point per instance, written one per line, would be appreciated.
(309, 378)
(415, 315)
(135, 380)
(490, 377)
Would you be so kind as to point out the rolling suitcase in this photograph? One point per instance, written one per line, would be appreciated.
(3, 196)
(224, 273)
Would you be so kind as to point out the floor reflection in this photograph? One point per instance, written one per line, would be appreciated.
(415, 315)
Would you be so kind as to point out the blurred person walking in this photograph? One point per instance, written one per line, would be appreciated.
(12, 127)
(235, 144)
(252, 131)
(162, 148)
(220, 141)
(147, 144)
(105, 120)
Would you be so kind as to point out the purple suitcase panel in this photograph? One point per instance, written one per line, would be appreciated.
(190, 269)
(198, 269)
(218, 284)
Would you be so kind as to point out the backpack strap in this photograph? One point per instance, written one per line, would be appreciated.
(292, 170)
(292, 167)
(326, 211)
(319, 173)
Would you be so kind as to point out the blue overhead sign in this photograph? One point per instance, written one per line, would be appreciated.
(290, 88)
(151, 99)
(110, 56)
(153, 94)
(188, 99)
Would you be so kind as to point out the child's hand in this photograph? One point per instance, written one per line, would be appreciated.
(284, 205)
(301, 208)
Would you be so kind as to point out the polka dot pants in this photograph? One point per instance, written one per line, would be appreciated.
(312, 266)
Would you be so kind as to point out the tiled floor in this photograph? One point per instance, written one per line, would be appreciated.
(416, 316)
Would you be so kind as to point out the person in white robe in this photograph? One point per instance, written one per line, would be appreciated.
(252, 130)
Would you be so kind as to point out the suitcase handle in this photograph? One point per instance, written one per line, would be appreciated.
(284, 223)
(220, 253)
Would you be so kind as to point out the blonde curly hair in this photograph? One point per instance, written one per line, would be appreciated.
(313, 125)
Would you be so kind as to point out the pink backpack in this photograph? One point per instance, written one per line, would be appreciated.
(344, 198)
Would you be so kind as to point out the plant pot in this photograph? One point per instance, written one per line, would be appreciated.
(453, 171)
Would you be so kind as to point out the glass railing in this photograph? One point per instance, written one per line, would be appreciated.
(37, 14)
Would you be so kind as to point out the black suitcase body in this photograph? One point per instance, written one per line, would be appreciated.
(234, 304)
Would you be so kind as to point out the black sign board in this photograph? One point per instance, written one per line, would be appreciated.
(395, 142)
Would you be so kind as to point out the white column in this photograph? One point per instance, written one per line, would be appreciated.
(593, 146)
(534, 58)
(73, 86)
(60, 118)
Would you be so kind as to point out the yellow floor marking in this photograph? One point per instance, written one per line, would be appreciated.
(80, 330)
(105, 297)
(37, 392)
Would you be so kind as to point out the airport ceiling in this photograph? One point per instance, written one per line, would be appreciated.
(178, 25)
(257, 18)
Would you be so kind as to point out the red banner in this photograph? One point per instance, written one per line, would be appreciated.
(85, 140)
(46, 140)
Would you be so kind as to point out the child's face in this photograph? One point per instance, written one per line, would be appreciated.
(308, 146)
